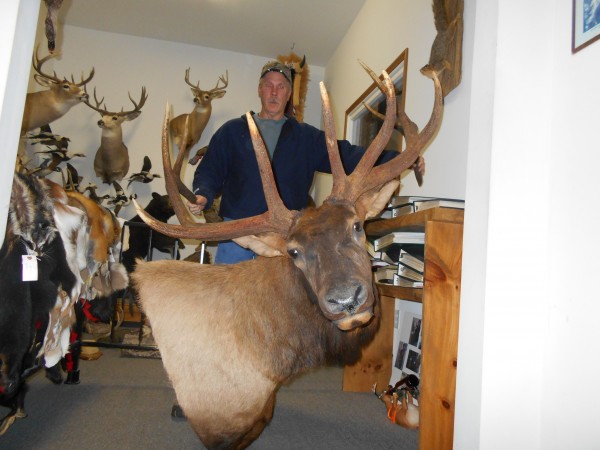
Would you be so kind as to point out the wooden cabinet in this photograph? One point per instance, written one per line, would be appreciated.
(441, 301)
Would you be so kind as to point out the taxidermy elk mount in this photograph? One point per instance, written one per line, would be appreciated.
(111, 162)
(193, 124)
(44, 107)
(248, 328)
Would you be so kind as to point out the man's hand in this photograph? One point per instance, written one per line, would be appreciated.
(198, 207)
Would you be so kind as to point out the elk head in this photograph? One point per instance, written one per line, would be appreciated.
(111, 162)
(44, 107)
(326, 244)
(200, 115)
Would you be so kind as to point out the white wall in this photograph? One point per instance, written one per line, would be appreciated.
(529, 335)
(17, 25)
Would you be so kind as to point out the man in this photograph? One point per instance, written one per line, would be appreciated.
(297, 151)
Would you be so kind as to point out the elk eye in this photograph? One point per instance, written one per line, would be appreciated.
(294, 253)
(65, 86)
(357, 227)
(114, 118)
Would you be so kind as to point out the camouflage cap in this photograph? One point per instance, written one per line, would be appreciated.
(276, 66)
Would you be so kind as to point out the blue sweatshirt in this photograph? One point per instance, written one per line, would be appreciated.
(229, 166)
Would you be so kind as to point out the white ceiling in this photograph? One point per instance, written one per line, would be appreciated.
(258, 27)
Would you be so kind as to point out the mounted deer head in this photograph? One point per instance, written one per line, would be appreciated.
(200, 115)
(112, 158)
(44, 107)
(263, 322)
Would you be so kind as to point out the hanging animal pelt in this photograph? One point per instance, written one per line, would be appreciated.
(27, 299)
(300, 74)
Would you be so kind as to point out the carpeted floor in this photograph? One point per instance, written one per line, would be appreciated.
(125, 403)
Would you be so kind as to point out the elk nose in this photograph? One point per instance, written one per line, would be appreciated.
(347, 303)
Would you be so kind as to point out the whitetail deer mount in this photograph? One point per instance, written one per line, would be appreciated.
(111, 162)
(200, 115)
(252, 326)
(44, 107)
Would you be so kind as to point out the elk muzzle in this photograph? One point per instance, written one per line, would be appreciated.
(349, 306)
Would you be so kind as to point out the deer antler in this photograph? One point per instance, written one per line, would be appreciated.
(136, 106)
(276, 219)
(104, 111)
(224, 80)
(97, 108)
(37, 66)
(196, 87)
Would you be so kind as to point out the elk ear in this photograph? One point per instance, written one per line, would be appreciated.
(263, 244)
(372, 202)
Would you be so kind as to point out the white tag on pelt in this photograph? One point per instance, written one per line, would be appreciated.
(30, 268)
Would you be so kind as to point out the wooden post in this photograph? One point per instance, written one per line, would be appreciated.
(441, 303)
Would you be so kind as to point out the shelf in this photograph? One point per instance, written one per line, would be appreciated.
(415, 221)
(440, 296)
(388, 290)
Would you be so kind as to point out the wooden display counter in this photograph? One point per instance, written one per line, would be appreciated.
(441, 301)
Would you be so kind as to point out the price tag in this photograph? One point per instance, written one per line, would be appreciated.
(30, 268)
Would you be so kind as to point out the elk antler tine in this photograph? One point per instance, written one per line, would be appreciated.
(415, 143)
(337, 169)
(275, 205)
(183, 189)
(171, 179)
(373, 75)
(277, 218)
(357, 178)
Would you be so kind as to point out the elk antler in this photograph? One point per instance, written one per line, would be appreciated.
(415, 141)
(366, 177)
(350, 187)
(276, 219)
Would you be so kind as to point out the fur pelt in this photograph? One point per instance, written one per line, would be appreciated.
(161, 208)
(300, 83)
(25, 306)
(101, 273)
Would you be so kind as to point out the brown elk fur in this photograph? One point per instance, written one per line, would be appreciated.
(241, 340)
(256, 325)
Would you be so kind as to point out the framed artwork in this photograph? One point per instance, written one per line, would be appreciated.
(586, 23)
(361, 126)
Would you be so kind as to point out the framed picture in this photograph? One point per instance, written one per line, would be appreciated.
(361, 126)
(586, 23)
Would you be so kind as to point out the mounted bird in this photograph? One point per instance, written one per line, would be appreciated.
(120, 199)
(144, 176)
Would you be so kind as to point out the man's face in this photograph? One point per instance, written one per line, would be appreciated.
(274, 92)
